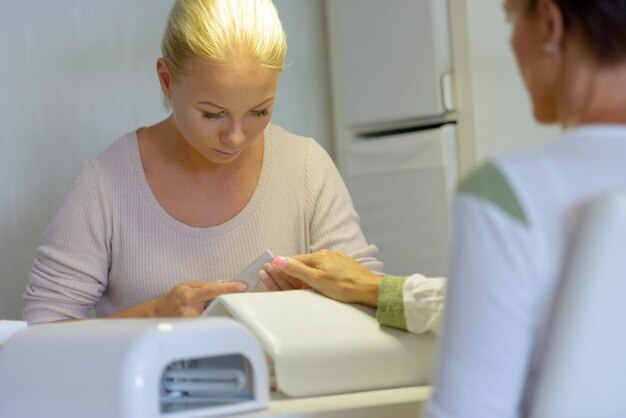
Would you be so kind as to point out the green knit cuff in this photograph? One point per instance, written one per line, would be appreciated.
(390, 311)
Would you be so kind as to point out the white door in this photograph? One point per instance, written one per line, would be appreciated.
(392, 60)
(402, 186)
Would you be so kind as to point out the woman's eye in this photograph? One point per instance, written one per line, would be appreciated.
(260, 113)
(210, 115)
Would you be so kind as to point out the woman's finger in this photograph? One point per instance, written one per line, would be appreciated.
(297, 269)
(212, 290)
(268, 281)
(279, 278)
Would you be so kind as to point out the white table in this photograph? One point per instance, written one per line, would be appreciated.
(393, 403)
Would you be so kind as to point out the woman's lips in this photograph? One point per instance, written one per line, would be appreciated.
(227, 153)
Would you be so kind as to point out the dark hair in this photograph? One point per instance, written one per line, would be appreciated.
(600, 24)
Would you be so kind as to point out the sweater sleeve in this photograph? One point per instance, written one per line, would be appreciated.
(414, 303)
(333, 222)
(71, 269)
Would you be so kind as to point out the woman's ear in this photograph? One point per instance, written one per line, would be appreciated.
(552, 25)
(165, 77)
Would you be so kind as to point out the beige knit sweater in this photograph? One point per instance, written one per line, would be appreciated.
(111, 246)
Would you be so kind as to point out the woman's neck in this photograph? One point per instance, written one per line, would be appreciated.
(593, 94)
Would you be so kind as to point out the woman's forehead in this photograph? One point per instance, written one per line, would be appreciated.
(229, 84)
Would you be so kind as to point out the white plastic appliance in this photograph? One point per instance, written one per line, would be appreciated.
(8, 328)
(317, 346)
(130, 368)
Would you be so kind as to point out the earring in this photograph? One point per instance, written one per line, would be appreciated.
(549, 48)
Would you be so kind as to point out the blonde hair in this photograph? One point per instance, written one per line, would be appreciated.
(222, 30)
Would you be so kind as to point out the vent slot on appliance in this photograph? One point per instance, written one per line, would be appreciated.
(205, 382)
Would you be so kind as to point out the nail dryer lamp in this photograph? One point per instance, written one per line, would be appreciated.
(132, 368)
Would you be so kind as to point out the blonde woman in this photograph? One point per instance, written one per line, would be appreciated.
(154, 224)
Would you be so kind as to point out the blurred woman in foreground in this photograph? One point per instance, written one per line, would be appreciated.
(515, 216)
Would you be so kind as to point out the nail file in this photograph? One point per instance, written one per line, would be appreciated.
(249, 275)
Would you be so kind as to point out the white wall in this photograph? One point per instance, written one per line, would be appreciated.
(303, 102)
(78, 74)
(74, 79)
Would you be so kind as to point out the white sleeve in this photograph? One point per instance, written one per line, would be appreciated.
(487, 330)
(333, 222)
(413, 303)
(423, 303)
(70, 272)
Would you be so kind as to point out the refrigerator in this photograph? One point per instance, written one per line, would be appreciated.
(395, 125)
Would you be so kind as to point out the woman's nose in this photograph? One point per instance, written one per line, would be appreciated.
(234, 135)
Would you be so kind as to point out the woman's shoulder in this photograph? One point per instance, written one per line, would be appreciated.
(286, 138)
(293, 145)
(113, 166)
(517, 181)
(116, 155)
(118, 147)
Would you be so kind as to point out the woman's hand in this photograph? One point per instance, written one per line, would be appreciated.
(189, 298)
(329, 272)
(185, 299)
(275, 279)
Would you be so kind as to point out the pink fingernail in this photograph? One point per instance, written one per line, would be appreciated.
(263, 275)
(241, 287)
(279, 262)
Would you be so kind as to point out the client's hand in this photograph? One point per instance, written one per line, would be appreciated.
(330, 273)
(275, 279)
(189, 298)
